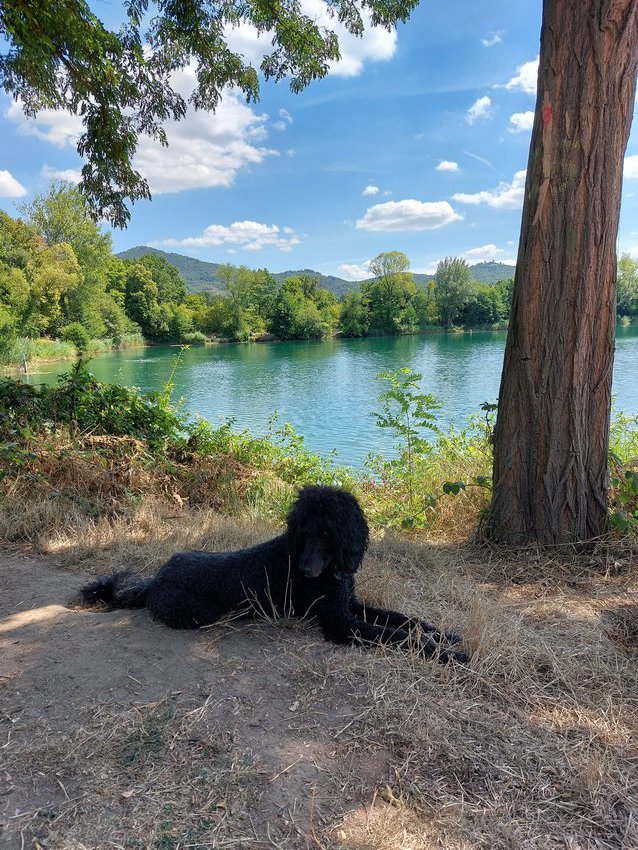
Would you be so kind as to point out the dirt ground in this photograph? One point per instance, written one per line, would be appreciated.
(116, 732)
(69, 675)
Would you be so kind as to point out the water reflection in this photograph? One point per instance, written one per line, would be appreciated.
(328, 389)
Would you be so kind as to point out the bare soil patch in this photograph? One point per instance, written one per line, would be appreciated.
(116, 732)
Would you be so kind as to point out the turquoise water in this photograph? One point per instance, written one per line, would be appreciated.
(328, 390)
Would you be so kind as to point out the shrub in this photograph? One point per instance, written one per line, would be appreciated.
(78, 335)
(194, 338)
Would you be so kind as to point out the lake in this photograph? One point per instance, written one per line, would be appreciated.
(329, 389)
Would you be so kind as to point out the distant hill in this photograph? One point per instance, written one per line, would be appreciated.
(201, 276)
(492, 272)
(482, 272)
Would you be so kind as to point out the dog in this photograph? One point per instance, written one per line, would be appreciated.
(306, 571)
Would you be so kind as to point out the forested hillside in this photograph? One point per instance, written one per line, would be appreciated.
(198, 275)
(202, 276)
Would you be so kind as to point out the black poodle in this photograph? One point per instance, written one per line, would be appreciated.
(308, 570)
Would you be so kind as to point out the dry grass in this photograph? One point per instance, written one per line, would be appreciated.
(532, 745)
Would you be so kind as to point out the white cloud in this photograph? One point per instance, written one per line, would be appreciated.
(370, 190)
(354, 271)
(525, 78)
(481, 108)
(493, 38)
(10, 187)
(506, 196)
(521, 121)
(482, 253)
(485, 253)
(408, 215)
(376, 44)
(285, 118)
(205, 150)
(73, 175)
(447, 165)
(246, 235)
(56, 127)
(631, 167)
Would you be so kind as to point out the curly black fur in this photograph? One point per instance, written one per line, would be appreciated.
(307, 570)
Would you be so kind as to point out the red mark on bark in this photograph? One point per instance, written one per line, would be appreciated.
(547, 115)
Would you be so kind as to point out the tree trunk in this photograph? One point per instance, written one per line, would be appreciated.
(552, 432)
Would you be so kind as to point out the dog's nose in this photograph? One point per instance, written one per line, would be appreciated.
(311, 570)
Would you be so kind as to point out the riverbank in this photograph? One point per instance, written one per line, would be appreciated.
(25, 352)
(81, 450)
(39, 351)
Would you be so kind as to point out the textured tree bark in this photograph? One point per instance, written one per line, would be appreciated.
(552, 433)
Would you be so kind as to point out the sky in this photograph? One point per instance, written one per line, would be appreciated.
(416, 141)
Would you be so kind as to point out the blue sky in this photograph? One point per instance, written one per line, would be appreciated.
(417, 141)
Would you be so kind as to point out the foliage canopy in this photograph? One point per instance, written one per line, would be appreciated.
(121, 82)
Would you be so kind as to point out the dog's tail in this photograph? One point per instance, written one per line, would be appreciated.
(118, 590)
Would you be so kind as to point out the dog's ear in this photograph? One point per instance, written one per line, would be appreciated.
(294, 521)
(353, 534)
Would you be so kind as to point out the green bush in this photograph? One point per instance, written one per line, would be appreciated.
(34, 350)
(194, 338)
(85, 405)
(132, 340)
(78, 335)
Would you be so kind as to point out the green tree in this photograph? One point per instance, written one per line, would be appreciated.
(8, 330)
(250, 300)
(301, 311)
(59, 55)
(213, 317)
(484, 306)
(18, 246)
(453, 287)
(18, 241)
(390, 294)
(62, 216)
(78, 335)
(355, 318)
(116, 322)
(142, 303)
(54, 275)
(15, 292)
(627, 286)
(171, 286)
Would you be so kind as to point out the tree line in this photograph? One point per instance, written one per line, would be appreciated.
(60, 279)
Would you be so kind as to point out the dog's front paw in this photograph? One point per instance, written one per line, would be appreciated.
(453, 638)
(456, 655)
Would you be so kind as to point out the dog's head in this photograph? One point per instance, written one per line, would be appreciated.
(326, 530)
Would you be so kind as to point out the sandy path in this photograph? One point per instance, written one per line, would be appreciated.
(71, 679)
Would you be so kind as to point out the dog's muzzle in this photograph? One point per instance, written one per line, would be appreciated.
(314, 559)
